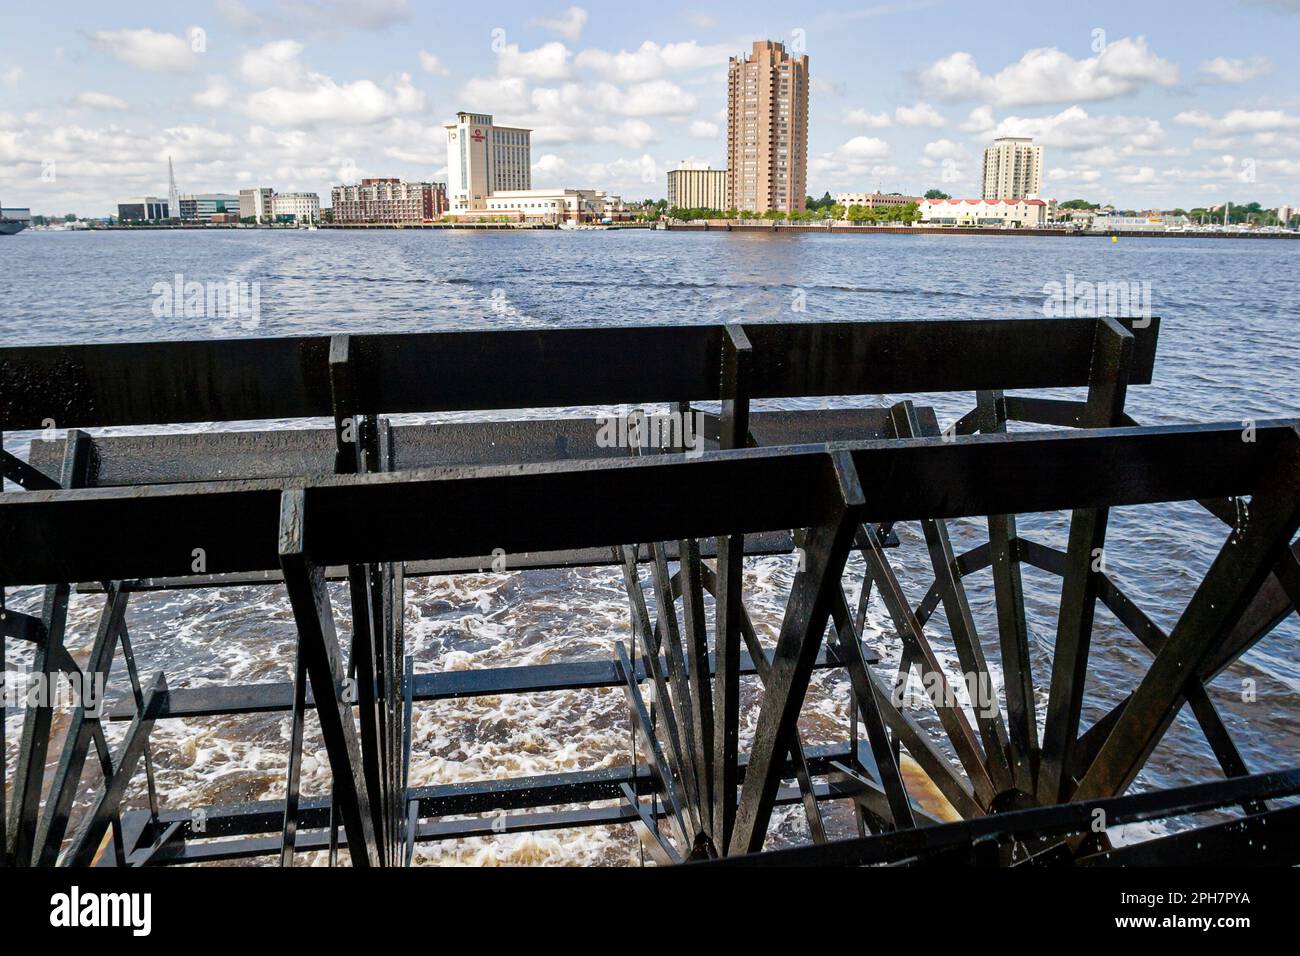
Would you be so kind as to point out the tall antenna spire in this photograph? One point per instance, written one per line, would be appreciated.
(173, 198)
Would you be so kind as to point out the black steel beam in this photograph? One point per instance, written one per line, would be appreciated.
(141, 383)
(77, 740)
(439, 513)
(478, 796)
(105, 808)
(318, 646)
(807, 612)
(29, 775)
(277, 697)
(1107, 389)
(1058, 819)
(1229, 587)
(234, 455)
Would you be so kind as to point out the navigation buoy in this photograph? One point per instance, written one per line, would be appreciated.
(1114, 238)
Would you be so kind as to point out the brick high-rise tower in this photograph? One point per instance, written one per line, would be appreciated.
(767, 130)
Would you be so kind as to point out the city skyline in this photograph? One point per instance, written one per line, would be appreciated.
(1157, 105)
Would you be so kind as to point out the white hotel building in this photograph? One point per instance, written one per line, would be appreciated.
(553, 206)
(483, 158)
(489, 177)
(302, 207)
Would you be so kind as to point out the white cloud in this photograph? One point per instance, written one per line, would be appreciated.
(922, 114)
(317, 17)
(980, 121)
(702, 20)
(1081, 175)
(1046, 75)
(869, 120)
(240, 16)
(1138, 175)
(861, 148)
(1224, 70)
(656, 98)
(101, 101)
(942, 149)
(549, 168)
(569, 112)
(1239, 121)
(550, 61)
(215, 96)
(1074, 128)
(569, 25)
(431, 64)
(10, 78)
(701, 129)
(322, 100)
(625, 175)
(297, 97)
(494, 94)
(275, 64)
(634, 133)
(147, 50)
(651, 60)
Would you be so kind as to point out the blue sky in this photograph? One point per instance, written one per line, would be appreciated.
(1138, 103)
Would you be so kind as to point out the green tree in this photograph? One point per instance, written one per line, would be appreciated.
(936, 194)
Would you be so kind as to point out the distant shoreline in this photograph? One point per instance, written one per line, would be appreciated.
(839, 230)
(765, 227)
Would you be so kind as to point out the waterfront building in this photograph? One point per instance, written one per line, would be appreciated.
(1013, 169)
(549, 206)
(989, 213)
(255, 203)
(697, 186)
(388, 201)
(143, 209)
(767, 130)
(483, 158)
(1153, 221)
(295, 207)
(875, 200)
(201, 207)
(1284, 214)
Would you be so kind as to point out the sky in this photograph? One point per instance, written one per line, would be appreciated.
(1143, 103)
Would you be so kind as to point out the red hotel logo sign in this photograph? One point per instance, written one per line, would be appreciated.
(477, 136)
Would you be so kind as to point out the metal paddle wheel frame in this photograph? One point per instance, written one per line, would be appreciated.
(371, 503)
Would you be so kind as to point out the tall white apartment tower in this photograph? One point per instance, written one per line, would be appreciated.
(1013, 169)
(483, 158)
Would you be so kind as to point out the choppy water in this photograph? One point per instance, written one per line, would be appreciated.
(1229, 350)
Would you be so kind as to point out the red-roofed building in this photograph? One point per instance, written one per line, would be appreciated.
(989, 213)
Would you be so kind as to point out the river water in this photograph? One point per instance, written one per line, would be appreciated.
(1229, 351)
